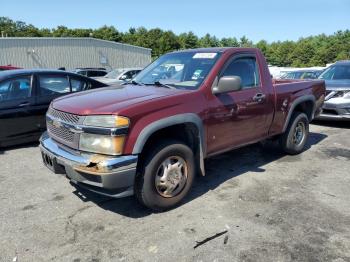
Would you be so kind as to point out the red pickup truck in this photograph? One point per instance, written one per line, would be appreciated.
(150, 137)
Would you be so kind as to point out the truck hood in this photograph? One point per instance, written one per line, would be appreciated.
(110, 99)
(332, 85)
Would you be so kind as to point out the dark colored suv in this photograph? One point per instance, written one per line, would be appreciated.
(25, 96)
(91, 72)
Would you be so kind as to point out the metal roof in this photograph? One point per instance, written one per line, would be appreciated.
(70, 38)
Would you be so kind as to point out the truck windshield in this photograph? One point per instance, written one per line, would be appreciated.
(336, 72)
(182, 70)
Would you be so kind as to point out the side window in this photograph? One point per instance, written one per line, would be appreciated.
(247, 69)
(17, 88)
(53, 85)
(308, 75)
(100, 73)
(78, 85)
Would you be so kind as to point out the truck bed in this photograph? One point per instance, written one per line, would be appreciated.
(286, 91)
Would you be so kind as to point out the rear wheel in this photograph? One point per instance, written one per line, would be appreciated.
(295, 137)
(166, 176)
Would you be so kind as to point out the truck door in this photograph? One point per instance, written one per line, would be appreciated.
(239, 117)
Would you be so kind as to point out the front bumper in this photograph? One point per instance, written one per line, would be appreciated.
(335, 109)
(111, 176)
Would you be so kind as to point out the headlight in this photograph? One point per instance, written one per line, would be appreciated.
(108, 121)
(102, 144)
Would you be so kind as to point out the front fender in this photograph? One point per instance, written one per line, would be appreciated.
(151, 128)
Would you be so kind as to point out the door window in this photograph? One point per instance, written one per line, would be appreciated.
(17, 88)
(78, 85)
(53, 85)
(247, 69)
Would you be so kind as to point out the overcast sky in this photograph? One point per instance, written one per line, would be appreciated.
(265, 19)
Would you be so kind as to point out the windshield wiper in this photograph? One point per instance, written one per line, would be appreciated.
(133, 82)
(157, 83)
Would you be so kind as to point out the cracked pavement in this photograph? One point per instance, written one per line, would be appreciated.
(274, 208)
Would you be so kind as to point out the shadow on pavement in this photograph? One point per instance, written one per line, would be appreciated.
(335, 124)
(3, 150)
(127, 206)
(218, 170)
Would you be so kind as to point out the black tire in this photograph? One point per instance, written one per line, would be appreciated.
(288, 142)
(145, 185)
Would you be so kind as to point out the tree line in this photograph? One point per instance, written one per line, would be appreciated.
(309, 51)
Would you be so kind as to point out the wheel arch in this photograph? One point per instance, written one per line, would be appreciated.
(305, 104)
(188, 120)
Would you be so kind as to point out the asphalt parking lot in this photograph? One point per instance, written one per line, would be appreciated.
(263, 205)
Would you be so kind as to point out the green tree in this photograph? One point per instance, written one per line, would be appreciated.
(209, 41)
(61, 31)
(245, 42)
(188, 40)
(109, 33)
(229, 42)
(168, 42)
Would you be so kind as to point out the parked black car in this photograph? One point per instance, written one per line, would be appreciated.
(91, 72)
(25, 96)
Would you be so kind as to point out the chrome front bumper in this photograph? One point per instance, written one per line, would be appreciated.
(107, 175)
(335, 109)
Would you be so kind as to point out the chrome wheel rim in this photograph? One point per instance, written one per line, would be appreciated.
(171, 176)
(299, 133)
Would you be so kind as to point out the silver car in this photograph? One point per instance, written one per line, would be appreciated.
(119, 76)
(337, 101)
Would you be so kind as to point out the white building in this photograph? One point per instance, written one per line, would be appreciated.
(55, 52)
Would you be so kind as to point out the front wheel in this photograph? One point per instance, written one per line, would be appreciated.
(166, 176)
(293, 140)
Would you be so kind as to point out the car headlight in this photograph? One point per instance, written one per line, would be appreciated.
(108, 121)
(101, 144)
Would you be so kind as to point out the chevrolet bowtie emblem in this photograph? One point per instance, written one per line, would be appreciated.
(56, 123)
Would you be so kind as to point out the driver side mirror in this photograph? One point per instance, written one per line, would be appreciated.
(227, 84)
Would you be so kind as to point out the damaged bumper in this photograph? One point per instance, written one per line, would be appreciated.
(112, 176)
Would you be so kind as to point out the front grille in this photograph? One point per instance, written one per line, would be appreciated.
(66, 117)
(61, 133)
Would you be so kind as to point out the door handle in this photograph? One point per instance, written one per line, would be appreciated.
(259, 97)
(23, 104)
